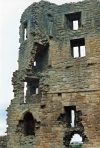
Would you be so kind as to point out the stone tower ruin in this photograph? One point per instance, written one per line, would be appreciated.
(58, 72)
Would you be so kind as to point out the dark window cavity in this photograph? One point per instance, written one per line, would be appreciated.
(69, 116)
(33, 87)
(74, 20)
(70, 112)
(78, 48)
(59, 94)
(41, 59)
(29, 124)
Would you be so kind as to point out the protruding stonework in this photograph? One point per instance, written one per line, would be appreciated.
(59, 65)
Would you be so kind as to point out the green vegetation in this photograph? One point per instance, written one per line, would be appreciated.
(75, 146)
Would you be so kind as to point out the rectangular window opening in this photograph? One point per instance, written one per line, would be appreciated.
(33, 87)
(78, 48)
(73, 20)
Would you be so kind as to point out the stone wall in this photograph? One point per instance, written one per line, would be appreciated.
(64, 83)
(3, 143)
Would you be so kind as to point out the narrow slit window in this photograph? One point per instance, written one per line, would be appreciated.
(37, 90)
(25, 89)
(34, 63)
(72, 118)
(25, 31)
(75, 25)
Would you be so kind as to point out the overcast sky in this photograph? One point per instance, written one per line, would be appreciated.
(10, 13)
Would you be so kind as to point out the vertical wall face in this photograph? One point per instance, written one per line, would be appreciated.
(61, 67)
(3, 142)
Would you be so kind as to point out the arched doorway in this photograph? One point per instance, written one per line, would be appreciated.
(29, 124)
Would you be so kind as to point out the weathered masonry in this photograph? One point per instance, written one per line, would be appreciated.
(59, 72)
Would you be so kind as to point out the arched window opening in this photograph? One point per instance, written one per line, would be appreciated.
(29, 124)
(76, 140)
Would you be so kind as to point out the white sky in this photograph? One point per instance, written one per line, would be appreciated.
(10, 14)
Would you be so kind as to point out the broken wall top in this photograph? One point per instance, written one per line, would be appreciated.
(46, 22)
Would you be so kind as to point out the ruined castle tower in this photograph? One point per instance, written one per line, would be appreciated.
(59, 72)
